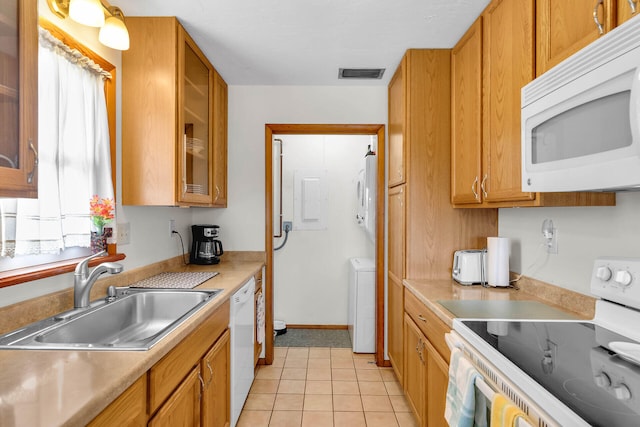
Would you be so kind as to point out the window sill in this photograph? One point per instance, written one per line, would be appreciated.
(22, 275)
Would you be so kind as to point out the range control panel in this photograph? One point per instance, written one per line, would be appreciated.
(617, 280)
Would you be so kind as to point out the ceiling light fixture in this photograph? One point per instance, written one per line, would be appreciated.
(113, 31)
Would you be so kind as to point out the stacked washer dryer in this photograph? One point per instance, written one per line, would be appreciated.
(362, 301)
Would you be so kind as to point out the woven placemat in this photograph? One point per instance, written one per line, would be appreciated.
(185, 280)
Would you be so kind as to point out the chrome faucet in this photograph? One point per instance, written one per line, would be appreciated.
(83, 280)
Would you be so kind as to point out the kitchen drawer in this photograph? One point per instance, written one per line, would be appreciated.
(430, 325)
(168, 373)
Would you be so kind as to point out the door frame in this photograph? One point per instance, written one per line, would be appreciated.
(325, 129)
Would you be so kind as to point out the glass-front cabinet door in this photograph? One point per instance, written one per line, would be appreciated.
(18, 98)
(195, 161)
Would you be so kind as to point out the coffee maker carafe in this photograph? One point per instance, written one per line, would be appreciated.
(206, 248)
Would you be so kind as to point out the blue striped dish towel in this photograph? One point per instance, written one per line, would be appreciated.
(461, 401)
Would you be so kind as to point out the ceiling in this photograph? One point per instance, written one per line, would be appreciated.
(305, 42)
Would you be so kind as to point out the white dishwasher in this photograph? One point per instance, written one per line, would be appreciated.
(241, 323)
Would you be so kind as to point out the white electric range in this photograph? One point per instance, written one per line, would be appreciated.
(567, 372)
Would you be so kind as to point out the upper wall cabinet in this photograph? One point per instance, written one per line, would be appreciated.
(626, 10)
(490, 64)
(19, 99)
(174, 119)
(397, 108)
(564, 27)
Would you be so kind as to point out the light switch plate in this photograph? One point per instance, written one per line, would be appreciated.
(124, 231)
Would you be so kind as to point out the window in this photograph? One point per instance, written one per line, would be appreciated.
(59, 219)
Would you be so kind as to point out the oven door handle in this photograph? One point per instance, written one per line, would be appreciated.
(452, 341)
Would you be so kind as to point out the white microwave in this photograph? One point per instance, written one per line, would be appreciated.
(581, 119)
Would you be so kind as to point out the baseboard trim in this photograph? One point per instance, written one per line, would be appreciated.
(317, 326)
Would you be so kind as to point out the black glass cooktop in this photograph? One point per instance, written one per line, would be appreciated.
(572, 361)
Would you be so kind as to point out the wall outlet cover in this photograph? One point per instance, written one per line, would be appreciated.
(124, 233)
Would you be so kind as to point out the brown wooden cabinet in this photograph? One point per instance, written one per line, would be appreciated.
(415, 373)
(396, 239)
(215, 369)
(19, 99)
(466, 117)
(565, 27)
(497, 50)
(626, 9)
(183, 406)
(397, 111)
(220, 118)
(426, 367)
(174, 118)
(128, 410)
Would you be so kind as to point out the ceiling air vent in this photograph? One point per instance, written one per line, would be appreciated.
(360, 73)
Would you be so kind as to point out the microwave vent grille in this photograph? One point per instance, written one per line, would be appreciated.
(615, 43)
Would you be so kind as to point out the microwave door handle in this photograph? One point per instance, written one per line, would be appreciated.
(595, 17)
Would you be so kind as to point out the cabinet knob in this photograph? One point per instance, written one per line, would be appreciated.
(595, 17)
(473, 188)
(35, 162)
(484, 180)
(632, 6)
(421, 317)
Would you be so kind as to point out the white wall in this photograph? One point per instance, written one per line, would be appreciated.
(583, 235)
(250, 108)
(311, 270)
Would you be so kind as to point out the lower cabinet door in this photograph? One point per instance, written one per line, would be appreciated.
(182, 409)
(437, 382)
(216, 371)
(415, 369)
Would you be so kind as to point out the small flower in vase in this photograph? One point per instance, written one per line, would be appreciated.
(102, 212)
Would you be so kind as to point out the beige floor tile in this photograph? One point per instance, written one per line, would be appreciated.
(278, 362)
(291, 386)
(260, 401)
(254, 419)
(341, 353)
(286, 419)
(280, 352)
(298, 353)
(296, 362)
(368, 375)
(380, 419)
(369, 356)
(349, 419)
(316, 374)
(294, 374)
(319, 364)
(376, 404)
(319, 353)
(346, 387)
(269, 373)
(406, 419)
(399, 404)
(288, 402)
(372, 388)
(393, 388)
(265, 386)
(347, 403)
(361, 363)
(388, 374)
(318, 402)
(339, 374)
(342, 363)
(318, 387)
(317, 419)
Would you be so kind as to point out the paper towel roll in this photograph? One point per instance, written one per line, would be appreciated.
(498, 261)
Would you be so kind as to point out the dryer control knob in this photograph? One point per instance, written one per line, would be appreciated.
(603, 273)
(622, 392)
(623, 277)
(602, 380)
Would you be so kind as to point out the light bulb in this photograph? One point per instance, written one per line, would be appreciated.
(114, 32)
(87, 12)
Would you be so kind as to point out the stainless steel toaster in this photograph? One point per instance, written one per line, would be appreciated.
(469, 266)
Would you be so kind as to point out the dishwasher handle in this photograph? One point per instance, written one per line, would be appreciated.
(245, 293)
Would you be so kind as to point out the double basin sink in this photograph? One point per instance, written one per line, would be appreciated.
(131, 319)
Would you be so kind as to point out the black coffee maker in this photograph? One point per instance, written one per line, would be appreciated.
(206, 248)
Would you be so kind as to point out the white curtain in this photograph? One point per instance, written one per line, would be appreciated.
(74, 158)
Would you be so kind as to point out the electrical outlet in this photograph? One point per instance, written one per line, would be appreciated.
(124, 230)
(172, 227)
(552, 243)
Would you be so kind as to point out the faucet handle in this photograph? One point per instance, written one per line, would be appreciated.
(83, 266)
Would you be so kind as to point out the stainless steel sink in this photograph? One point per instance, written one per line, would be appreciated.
(133, 319)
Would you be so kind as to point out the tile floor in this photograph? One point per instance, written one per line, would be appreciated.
(321, 386)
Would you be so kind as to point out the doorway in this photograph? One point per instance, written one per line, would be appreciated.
(320, 129)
